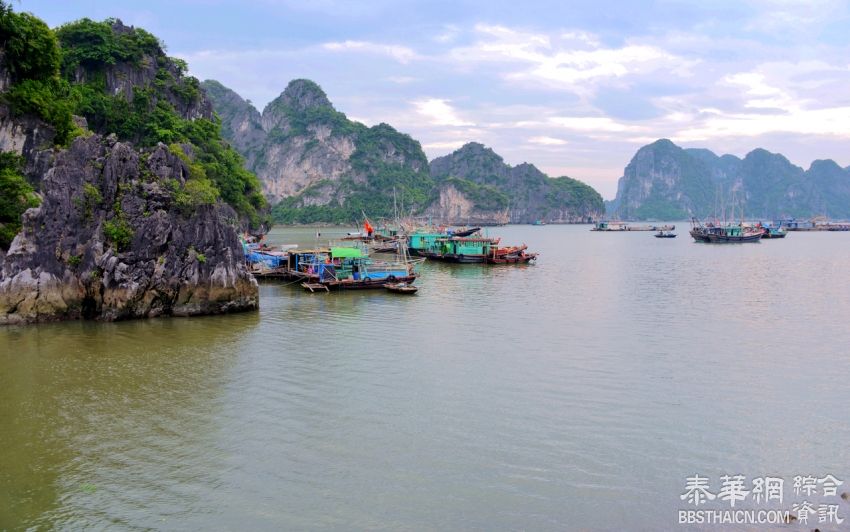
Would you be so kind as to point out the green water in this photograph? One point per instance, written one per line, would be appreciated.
(575, 393)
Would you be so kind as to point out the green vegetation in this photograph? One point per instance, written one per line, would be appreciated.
(373, 179)
(89, 48)
(16, 196)
(29, 47)
(118, 232)
(95, 45)
(568, 193)
(92, 198)
(31, 55)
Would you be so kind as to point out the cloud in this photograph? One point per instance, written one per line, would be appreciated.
(547, 141)
(449, 146)
(401, 80)
(439, 112)
(574, 61)
(593, 124)
(402, 54)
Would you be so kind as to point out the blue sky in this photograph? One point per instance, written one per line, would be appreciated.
(575, 87)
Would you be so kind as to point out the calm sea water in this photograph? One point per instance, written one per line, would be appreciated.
(575, 393)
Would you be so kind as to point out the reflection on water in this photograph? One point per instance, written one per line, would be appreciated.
(577, 392)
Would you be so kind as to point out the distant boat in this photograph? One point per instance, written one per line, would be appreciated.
(606, 226)
(665, 234)
(538, 222)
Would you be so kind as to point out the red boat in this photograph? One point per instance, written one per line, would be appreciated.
(511, 255)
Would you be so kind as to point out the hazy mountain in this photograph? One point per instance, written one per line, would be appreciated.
(664, 181)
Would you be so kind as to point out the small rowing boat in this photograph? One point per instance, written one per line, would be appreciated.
(401, 288)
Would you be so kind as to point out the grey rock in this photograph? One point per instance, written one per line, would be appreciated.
(62, 265)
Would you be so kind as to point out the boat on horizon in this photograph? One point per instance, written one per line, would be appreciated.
(616, 226)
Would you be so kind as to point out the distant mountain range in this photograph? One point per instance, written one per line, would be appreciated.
(316, 165)
(666, 182)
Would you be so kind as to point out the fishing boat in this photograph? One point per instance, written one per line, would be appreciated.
(725, 234)
(511, 255)
(665, 234)
(464, 250)
(538, 222)
(401, 288)
(349, 268)
(774, 232)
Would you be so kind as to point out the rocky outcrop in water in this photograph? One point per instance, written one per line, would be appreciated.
(504, 193)
(116, 224)
(666, 182)
(109, 241)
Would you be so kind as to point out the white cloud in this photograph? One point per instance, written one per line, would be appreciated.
(449, 34)
(547, 141)
(401, 80)
(449, 146)
(439, 112)
(402, 54)
(593, 124)
(574, 61)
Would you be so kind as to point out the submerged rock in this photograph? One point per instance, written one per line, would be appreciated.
(110, 241)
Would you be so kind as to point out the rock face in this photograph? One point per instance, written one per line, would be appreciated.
(454, 207)
(241, 123)
(325, 166)
(666, 182)
(29, 137)
(109, 242)
(518, 194)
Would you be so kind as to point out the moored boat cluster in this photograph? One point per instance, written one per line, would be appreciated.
(353, 265)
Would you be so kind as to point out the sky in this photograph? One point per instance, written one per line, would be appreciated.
(574, 87)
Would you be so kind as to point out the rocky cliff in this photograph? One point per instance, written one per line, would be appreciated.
(111, 241)
(503, 193)
(664, 181)
(135, 205)
(317, 165)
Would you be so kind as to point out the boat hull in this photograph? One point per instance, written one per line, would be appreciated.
(364, 284)
(726, 239)
(457, 259)
(516, 259)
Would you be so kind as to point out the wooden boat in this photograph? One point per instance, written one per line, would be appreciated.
(349, 269)
(511, 255)
(466, 232)
(401, 288)
(521, 258)
(464, 250)
(665, 234)
(725, 234)
(774, 232)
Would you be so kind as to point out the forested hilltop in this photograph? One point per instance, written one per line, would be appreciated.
(666, 182)
(316, 165)
(134, 199)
